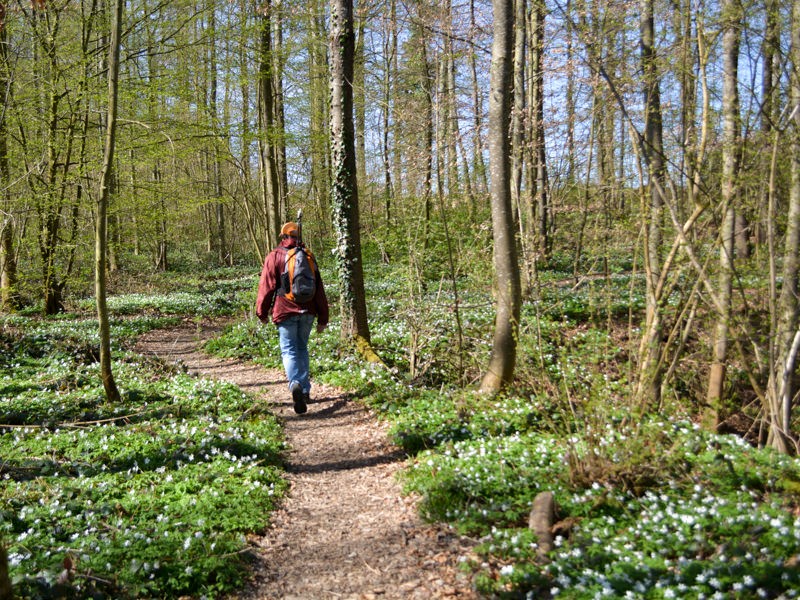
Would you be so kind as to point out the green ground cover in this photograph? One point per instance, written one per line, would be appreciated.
(647, 507)
(150, 497)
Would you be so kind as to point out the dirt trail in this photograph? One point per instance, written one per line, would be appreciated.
(345, 529)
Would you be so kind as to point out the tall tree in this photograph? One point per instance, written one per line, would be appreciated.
(390, 46)
(479, 168)
(344, 195)
(519, 141)
(538, 142)
(9, 295)
(319, 143)
(731, 23)
(101, 221)
(782, 388)
(220, 243)
(503, 357)
(268, 124)
(278, 64)
(648, 387)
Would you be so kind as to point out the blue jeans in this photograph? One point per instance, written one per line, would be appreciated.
(293, 334)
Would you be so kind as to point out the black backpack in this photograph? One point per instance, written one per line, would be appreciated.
(299, 277)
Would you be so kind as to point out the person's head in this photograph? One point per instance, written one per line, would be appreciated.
(290, 229)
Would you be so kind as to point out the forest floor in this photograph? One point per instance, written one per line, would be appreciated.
(345, 529)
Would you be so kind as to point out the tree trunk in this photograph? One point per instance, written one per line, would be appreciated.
(502, 361)
(518, 141)
(360, 90)
(770, 73)
(268, 138)
(344, 195)
(481, 185)
(731, 11)
(649, 377)
(319, 107)
(426, 81)
(279, 111)
(101, 221)
(6, 591)
(9, 296)
(781, 388)
(569, 101)
(537, 125)
(390, 50)
(220, 244)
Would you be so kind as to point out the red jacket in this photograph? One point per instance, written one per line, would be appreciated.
(270, 302)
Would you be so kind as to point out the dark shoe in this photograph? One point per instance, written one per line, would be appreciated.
(299, 399)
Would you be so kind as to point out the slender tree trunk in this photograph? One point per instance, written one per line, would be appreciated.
(426, 79)
(268, 138)
(688, 89)
(782, 388)
(360, 90)
(390, 48)
(344, 196)
(448, 101)
(481, 185)
(569, 101)
(731, 11)
(518, 142)
(502, 362)
(6, 591)
(397, 151)
(770, 72)
(537, 114)
(9, 295)
(106, 178)
(648, 387)
(279, 111)
(220, 244)
(440, 132)
(319, 107)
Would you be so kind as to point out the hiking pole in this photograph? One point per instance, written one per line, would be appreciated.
(299, 226)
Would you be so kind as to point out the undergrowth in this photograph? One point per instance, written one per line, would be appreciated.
(647, 505)
(149, 497)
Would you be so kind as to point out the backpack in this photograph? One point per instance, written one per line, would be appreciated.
(299, 277)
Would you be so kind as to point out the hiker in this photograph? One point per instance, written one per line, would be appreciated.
(293, 319)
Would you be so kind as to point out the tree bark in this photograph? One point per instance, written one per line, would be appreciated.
(390, 52)
(537, 126)
(6, 591)
(479, 168)
(781, 387)
(319, 108)
(524, 217)
(541, 520)
(270, 176)
(9, 295)
(650, 371)
(502, 361)
(219, 242)
(344, 195)
(101, 221)
(731, 14)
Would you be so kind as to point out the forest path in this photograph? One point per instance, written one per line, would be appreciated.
(345, 529)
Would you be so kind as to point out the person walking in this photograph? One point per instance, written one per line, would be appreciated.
(294, 320)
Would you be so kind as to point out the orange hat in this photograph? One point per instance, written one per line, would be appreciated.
(290, 228)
